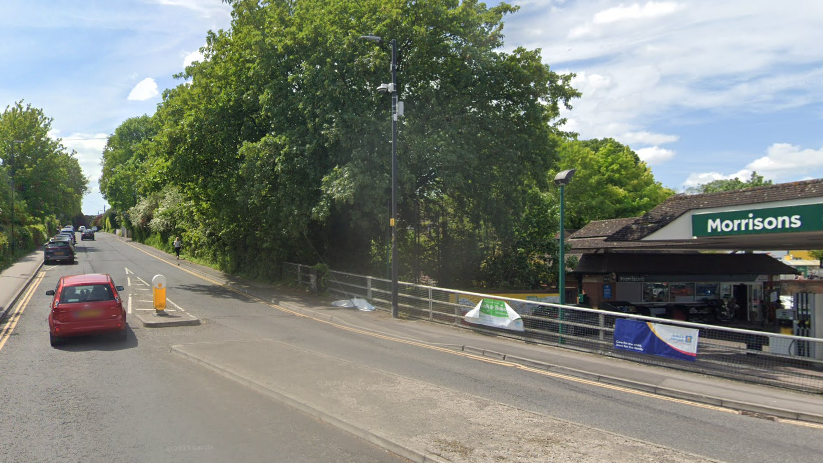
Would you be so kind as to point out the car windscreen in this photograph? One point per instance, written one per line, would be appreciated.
(86, 293)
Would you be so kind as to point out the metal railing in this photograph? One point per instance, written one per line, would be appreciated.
(773, 359)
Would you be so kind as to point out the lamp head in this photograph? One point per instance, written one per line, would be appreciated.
(563, 178)
(372, 38)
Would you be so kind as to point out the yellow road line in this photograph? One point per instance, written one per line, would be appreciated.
(18, 310)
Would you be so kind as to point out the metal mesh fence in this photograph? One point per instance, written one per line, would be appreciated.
(793, 362)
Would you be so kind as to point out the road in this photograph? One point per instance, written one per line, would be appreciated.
(95, 399)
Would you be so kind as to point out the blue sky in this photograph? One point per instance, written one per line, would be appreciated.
(700, 89)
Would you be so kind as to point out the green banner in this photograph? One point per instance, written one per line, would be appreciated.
(773, 220)
(494, 308)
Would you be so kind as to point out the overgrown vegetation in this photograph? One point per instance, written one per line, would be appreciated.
(41, 175)
(276, 147)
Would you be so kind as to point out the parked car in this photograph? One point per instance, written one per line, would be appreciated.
(81, 228)
(70, 234)
(87, 235)
(59, 250)
(624, 307)
(86, 304)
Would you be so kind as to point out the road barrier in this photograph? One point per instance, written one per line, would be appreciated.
(781, 360)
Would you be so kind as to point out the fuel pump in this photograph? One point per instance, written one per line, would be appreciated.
(808, 322)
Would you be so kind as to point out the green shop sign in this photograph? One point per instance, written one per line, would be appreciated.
(759, 221)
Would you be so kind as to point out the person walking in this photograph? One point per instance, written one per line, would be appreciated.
(177, 245)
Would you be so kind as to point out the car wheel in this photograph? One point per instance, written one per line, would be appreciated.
(55, 340)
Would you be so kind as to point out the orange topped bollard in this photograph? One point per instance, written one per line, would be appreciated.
(158, 285)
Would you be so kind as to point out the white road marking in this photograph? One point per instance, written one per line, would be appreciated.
(129, 272)
(129, 280)
(172, 303)
(129, 303)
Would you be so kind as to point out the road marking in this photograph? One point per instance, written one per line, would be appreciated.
(18, 310)
(129, 303)
(128, 279)
(129, 272)
(464, 354)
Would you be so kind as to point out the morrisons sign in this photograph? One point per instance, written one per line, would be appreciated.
(759, 221)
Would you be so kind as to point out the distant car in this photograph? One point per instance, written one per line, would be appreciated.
(59, 250)
(86, 304)
(81, 229)
(87, 235)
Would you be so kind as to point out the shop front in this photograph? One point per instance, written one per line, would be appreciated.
(697, 287)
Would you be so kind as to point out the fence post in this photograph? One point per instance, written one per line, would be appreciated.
(299, 274)
(368, 288)
(601, 319)
(431, 305)
(313, 280)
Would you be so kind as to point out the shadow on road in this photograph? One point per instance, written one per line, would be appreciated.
(100, 342)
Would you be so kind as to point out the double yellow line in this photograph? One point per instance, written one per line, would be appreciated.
(19, 308)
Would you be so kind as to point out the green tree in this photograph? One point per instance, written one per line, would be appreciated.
(610, 182)
(124, 168)
(48, 179)
(733, 184)
(817, 254)
(277, 141)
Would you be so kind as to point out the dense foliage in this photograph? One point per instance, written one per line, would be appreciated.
(48, 183)
(277, 146)
(732, 184)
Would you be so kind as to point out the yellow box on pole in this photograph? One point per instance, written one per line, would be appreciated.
(158, 285)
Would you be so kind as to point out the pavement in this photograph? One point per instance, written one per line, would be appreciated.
(359, 402)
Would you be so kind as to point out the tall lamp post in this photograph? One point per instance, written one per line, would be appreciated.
(11, 175)
(562, 179)
(392, 89)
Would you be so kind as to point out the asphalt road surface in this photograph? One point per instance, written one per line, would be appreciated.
(95, 399)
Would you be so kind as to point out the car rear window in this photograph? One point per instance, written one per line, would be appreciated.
(86, 293)
(58, 244)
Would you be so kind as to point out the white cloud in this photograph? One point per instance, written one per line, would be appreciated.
(192, 57)
(647, 138)
(145, 90)
(635, 11)
(696, 179)
(206, 8)
(654, 155)
(783, 160)
(640, 63)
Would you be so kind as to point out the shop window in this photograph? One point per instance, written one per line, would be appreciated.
(655, 292)
(682, 292)
(707, 290)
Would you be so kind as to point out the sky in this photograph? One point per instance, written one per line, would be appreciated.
(700, 89)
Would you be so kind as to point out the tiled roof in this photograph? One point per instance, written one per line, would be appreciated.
(678, 205)
(602, 228)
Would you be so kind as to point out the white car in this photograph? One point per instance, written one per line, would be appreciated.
(81, 229)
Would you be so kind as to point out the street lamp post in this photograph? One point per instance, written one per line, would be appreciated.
(392, 88)
(562, 179)
(11, 175)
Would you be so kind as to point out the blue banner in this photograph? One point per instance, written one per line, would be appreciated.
(656, 339)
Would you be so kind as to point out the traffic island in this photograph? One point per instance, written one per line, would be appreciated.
(150, 320)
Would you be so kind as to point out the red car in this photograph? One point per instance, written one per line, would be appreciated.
(86, 304)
